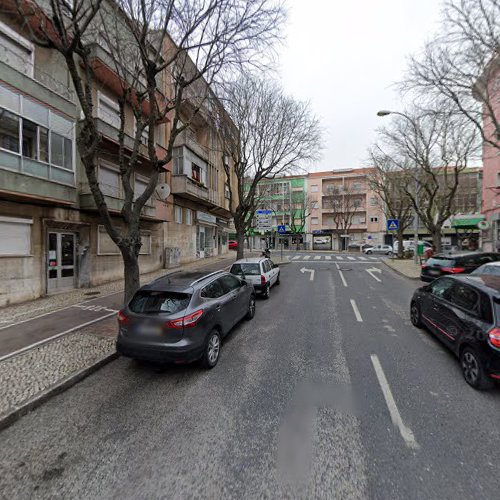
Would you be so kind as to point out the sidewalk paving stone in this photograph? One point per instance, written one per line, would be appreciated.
(405, 267)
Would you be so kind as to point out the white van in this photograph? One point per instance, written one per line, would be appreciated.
(410, 244)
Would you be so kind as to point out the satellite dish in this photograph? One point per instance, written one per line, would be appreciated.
(163, 191)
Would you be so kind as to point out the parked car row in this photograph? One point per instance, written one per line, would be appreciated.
(183, 317)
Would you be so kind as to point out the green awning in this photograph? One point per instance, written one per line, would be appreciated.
(467, 222)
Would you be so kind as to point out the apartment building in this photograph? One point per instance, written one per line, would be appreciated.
(51, 236)
(345, 210)
(286, 198)
(491, 160)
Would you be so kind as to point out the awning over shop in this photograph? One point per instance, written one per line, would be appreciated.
(467, 222)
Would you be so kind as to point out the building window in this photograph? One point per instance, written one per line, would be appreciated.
(146, 243)
(15, 235)
(178, 214)
(373, 202)
(109, 180)
(356, 186)
(108, 110)
(227, 193)
(17, 52)
(145, 132)
(373, 219)
(9, 131)
(314, 221)
(140, 185)
(356, 203)
(189, 217)
(196, 172)
(314, 205)
(105, 245)
(498, 179)
(314, 188)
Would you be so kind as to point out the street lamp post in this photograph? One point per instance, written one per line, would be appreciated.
(417, 183)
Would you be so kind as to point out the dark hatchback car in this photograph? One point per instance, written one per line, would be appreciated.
(183, 317)
(460, 263)
(464, 313)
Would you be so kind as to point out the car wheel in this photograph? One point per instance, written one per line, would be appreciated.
(369, 252)
(251, 308)
(389, 254)
(267, 292)
(211, 352)
(416, 319)
(473, 369)
(278, 279)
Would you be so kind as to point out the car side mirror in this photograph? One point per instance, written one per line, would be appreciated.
(275, 266)
(244, 282)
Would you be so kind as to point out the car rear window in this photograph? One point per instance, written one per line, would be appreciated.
(440, 261)
(245, 269)
(155, 302)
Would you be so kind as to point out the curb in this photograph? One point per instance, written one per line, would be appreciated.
(397, 271)
(15, 414)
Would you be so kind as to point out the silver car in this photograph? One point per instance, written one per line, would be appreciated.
(379, 249)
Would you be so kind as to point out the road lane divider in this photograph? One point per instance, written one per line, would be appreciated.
(406, 432)
(372, 272)
(359, 319)
(344, 282)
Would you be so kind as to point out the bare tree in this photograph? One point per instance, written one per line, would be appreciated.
(390, 185)
(270, 134)
(462, 65)
(431, 149)
(343, 201)
(166, 54)
(299, 211)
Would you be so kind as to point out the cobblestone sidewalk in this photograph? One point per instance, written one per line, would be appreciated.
(27, 310)
(405, 267)
(31, 374)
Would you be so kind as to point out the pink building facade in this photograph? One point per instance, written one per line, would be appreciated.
(491, 167)
(345, 190)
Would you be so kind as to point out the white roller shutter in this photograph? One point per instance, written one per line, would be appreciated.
(15, 236)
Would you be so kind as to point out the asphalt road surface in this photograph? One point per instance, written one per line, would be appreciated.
(329, 392)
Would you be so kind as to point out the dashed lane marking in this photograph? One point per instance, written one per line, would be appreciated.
(359, 319)
(344, 282)
(406, 432)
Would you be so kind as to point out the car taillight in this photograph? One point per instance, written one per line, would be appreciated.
(122, 318)
(494, 337)
(186, 321)
(423, 266)
(262, 279)
(453, 270)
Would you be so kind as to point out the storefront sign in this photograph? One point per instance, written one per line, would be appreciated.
(204, 217)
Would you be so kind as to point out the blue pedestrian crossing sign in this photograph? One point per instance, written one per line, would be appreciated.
(281, 229)
(392, 224)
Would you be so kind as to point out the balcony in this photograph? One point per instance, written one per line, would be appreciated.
(113, 199)
(110, 132)
(185, 139)
(184, 186)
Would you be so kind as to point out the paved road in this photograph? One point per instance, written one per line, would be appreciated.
(328, 393)
(23, 334)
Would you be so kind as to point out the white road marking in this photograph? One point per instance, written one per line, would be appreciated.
(307, 257)
(372, 258)
(361, 258)
(405, 432)
(328, 257)
(343, 262)
(389, 328)
(341, 275)
(296, 257)
(356, 311)
(372, 272)
(339, 257)
(317, 257)
(44, 341)
(351, 258)
(311, 271)
(96, 308)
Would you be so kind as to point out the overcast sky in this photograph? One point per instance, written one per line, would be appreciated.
(343, 56)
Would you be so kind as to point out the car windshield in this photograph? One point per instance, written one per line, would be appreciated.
(158, 302)
(245, 269)
(440, 261)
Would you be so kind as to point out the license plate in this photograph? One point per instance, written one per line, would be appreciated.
(149, 329)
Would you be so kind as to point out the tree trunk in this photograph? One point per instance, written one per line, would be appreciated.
(131, 273)
(240, 239)
(400, 243)
(436, 238)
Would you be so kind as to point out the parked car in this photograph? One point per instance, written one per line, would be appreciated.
(260, 272)
(360, 247)
(233, 245)
(379, 249)
(489, 269)
(460, 263)
(183, 317)
(464, 313)
(410, 245)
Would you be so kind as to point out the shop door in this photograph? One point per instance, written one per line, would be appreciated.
(61, 261)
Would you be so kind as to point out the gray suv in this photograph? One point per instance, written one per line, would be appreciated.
(183, 317)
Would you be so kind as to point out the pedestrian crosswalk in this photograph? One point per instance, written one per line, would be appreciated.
(324, 258)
